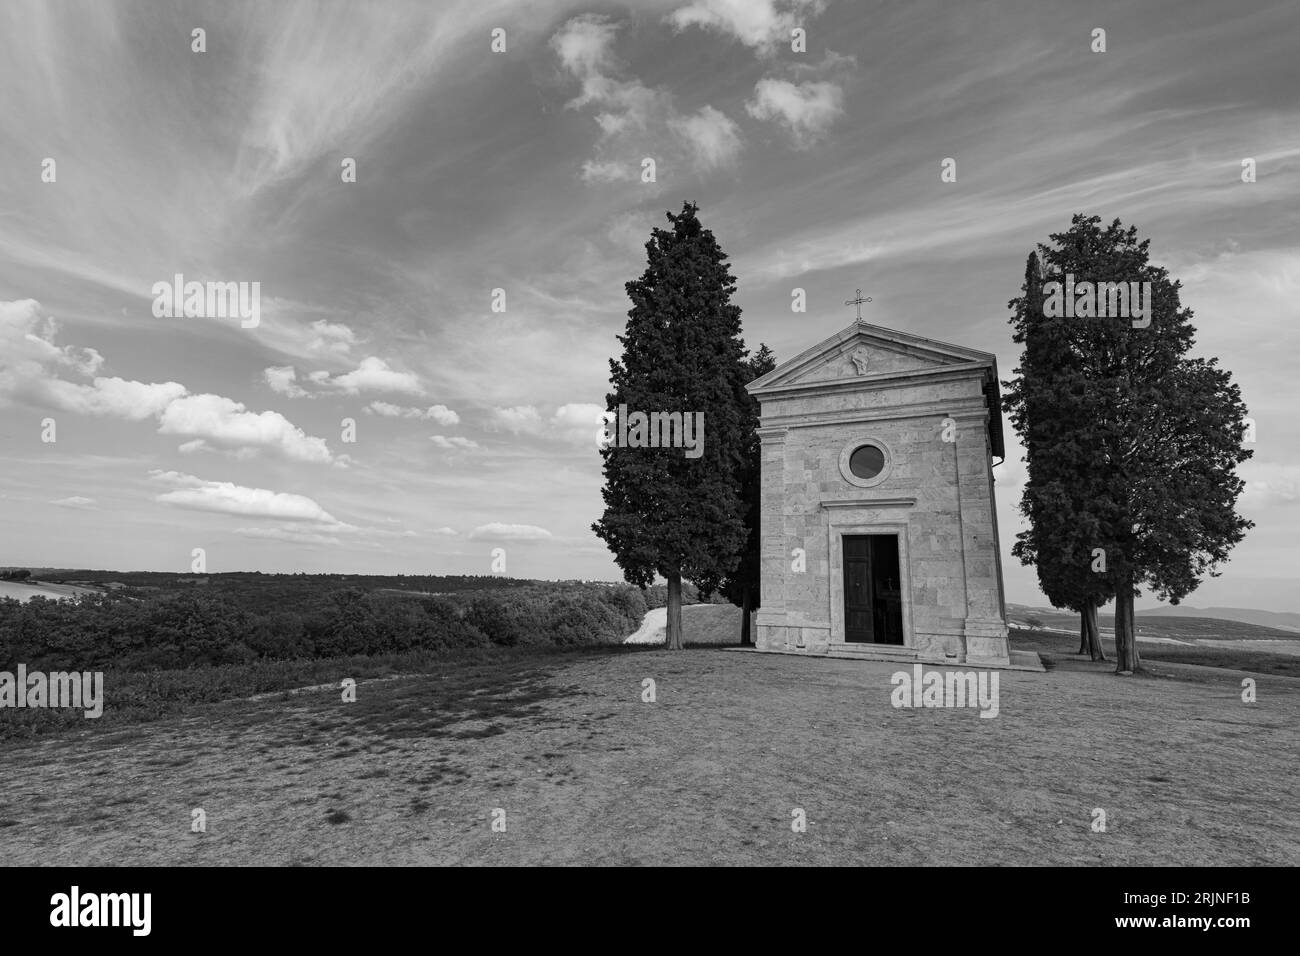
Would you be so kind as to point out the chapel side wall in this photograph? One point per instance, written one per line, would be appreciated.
(773, 533)
(983, 563)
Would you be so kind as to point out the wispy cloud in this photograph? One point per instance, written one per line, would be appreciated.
(496, 531)
(76, 501)
(805, 110)
(761, 24)
(227, 497)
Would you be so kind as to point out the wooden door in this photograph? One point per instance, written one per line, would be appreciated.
(873, 605)
(859, 620)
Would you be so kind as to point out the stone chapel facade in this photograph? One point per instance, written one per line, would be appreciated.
(879, 533)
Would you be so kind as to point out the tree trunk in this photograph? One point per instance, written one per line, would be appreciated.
(1083, 630)
(1126, 652)
(1133, 633)
(1094, 635)
(746, 602)
(673, 632)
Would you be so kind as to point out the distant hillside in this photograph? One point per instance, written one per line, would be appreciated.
(1285, 620)
(1150, 624)
(257, 591)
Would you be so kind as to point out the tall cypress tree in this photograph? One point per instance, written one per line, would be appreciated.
(741, 586)
(1153, 435)
(1046, 403)
(665, 513)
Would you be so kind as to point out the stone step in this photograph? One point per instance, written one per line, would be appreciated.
(874, 652)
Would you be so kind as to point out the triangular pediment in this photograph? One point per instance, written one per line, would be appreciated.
(863, 352)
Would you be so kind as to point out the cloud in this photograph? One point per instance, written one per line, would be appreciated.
(331, 337)
(28, 357)
(607, 172)
(282, 380)
(113, 397)
(76, 501)
(291, 535)
(346, 74)
(578, 422)
(228, 424)
(760, 24)
(225, 497)
(495, 531)
(1269, 483)
(635, 120)
(374, 375)
(28, 338)
(575, 422)
(806, 110)
(517, 420)
(30, 363)
(285, 330)
(583, 46)
(437, 413)
(442, 441)
(831, 62)
(445, 532)
(713, 138)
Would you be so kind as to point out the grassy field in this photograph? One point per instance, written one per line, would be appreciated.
(709, 773)
(1277, 657)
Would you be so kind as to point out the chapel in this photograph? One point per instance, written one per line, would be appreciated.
(879, 532)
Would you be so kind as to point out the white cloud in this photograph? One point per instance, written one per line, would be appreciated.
(711, 136)
(76, 501)
(28, 358)
(114, 397)
(30, 363)
(372, 375)
(446, 532)
(442, 441)
(228, 424)
(437, 413)
(583, 46)
(225, 497)
(761, 24)
(331, 337)
(578, 422)
(517, 420)
(806, 110)
(575, 422)
(282, 380)
(288, 329)
(635, 120)
(27, 340)
(495, 531)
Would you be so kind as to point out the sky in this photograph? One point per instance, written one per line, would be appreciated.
(520, 170)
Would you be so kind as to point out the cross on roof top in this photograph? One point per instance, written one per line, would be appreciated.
(858, 302)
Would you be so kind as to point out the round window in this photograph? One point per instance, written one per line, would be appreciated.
(867, 461)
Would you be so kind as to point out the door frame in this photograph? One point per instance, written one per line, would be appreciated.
(871, 577)
(835, 533)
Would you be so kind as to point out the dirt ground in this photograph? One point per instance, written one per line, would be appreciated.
(710, 773)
